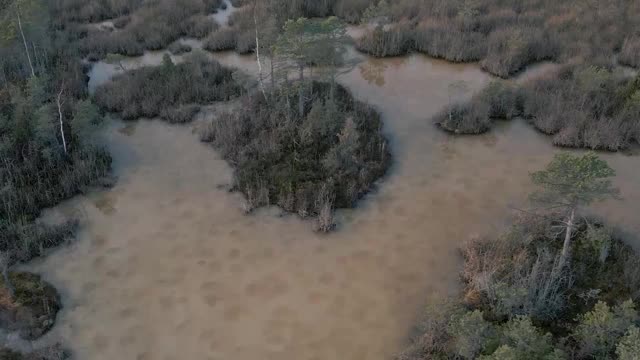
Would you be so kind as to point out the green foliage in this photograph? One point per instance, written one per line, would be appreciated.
(598, 241)
(86, 119)
(35, 300)
(471, 334)
(28, 10)
(520, 339)
(573, 181)
(599, 330)
(629, 346)
(506, 352)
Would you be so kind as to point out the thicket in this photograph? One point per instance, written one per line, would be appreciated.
(139, 26)
(580, 106)
(557, 285)
(505, 36)
(35, 171)
(47, 154)
(170, 90)
(519, 303)
(239, 35)
(311, 163)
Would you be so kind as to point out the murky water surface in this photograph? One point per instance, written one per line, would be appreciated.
(167, 266)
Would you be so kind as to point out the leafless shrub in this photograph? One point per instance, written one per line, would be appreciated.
(162, 90)
(178, 48)
(224, 39)
(386, 42)
(630, 53)
(514, 281)
(180, 115)
(324, 204)
(464, 119)
(511, 49)
(447, 42)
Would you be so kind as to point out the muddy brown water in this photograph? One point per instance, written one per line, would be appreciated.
(167, 266)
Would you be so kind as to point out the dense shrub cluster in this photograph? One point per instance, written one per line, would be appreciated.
(327, 158)
(507, 36)
(47, 154)
(503, 52)
(504, 36)
(579, 106)
(35, 172)
(166, 90)
(520, 303)
(238, 36)
(148, 25)
(93, 11)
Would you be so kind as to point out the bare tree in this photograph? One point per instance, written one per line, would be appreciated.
(570, 182)
(13, 19)
(60, 102)
(258, 60)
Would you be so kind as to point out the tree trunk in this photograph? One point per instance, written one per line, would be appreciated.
(300, 100)
(59, 103)
(24, 42)
(273, 78)
(301, 92)
(255, 22)
(566, 247)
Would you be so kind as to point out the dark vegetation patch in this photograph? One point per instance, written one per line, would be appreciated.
(518, 303)
(30, 307)
(309, 164)
(506, 36)
(48, 129)
(141, 25)
(168, 90)
(53, 352)
(238, 36)
(35, 170)
(580, 106)
(178, 48)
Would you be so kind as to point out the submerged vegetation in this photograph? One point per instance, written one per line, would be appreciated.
(580, 106)
(529, 295)
(327, 157)
(28, 304)
(171, 91)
